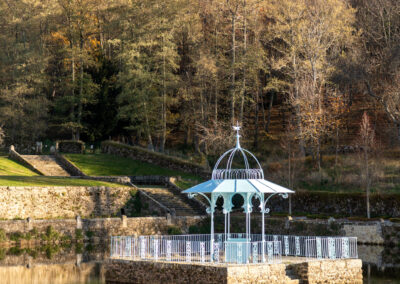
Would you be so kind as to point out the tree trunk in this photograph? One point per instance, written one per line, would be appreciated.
(79, 118)
(263, 110)
(398, 132)
(233, 68)
(216, 82)
(296, 91)
(164, 106)
(256, 121)
(72, 112)
(148, 133)
(243, 92)
(269, 113)
(367, 180)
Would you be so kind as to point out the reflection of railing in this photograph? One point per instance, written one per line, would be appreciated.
(234, 248)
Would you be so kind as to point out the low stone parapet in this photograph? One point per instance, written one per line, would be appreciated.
(327, 271)
(330, 271)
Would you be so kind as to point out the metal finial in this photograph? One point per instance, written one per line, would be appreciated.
(237, 128)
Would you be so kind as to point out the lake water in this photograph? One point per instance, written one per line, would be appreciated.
(84, 265)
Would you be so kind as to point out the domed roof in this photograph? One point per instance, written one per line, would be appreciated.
(223, 170)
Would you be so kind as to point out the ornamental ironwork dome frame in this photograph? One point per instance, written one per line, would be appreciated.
(228, 172)
(247, 182)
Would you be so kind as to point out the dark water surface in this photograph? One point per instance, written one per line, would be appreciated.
(85, 265)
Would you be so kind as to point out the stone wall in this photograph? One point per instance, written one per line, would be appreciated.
(162, 160)
(336, 204)
(68, 166)
(66, 202)
(327, 271)
(367, 232)
(102, 228)
(330, 271)
(120, 271)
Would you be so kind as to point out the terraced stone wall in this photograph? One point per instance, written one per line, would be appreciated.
(62, 202)
(100, 228)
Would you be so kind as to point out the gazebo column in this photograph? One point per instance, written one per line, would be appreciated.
(247, 209)
(212, 209)
(227, 208)
(212, 236)
(262, 207)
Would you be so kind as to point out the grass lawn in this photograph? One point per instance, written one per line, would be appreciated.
(109, 165)
(9, 167)
(50, 181)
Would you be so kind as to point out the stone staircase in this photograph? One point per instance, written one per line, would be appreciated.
(173, 201)
(46, 164)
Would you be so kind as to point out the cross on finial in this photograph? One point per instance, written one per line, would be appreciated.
(237, 128)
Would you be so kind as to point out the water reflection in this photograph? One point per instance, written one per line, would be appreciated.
(53, 264)
(381, 265)
(84, 264)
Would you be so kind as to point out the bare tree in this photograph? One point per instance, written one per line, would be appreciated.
(216, 138)
(366, 145)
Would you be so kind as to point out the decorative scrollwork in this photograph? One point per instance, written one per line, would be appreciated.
(208, 210)
(284, 195)
(192, 195)
(267, 210)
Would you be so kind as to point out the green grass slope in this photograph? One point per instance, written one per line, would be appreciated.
(9, 167)
(50, 181)
(108, 165)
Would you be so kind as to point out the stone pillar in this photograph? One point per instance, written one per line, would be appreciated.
(287, 222)
(29, 225)
(78, 222)
(169, 219)
(124, 221)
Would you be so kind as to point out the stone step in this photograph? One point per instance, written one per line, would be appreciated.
(47, 164)
(172, 200)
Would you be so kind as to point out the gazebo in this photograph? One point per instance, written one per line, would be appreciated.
(248, 182)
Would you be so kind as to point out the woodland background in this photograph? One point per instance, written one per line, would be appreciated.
(314, 83)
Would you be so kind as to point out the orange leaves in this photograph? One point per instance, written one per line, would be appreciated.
(59, 38)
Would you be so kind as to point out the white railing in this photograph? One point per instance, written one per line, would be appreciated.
(232, 248)
(159, 249)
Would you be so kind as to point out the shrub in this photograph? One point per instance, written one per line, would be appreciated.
(194, 229)
(2, 253)
(51, 250)
(34, 232)
(89, 234)
(78, 234)
(335, 228)
(173, 230)
(299, 227)
(51, 234)
(79, 248)
(70, 146)
(16, 236)
(3, 236)
(15, 251)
